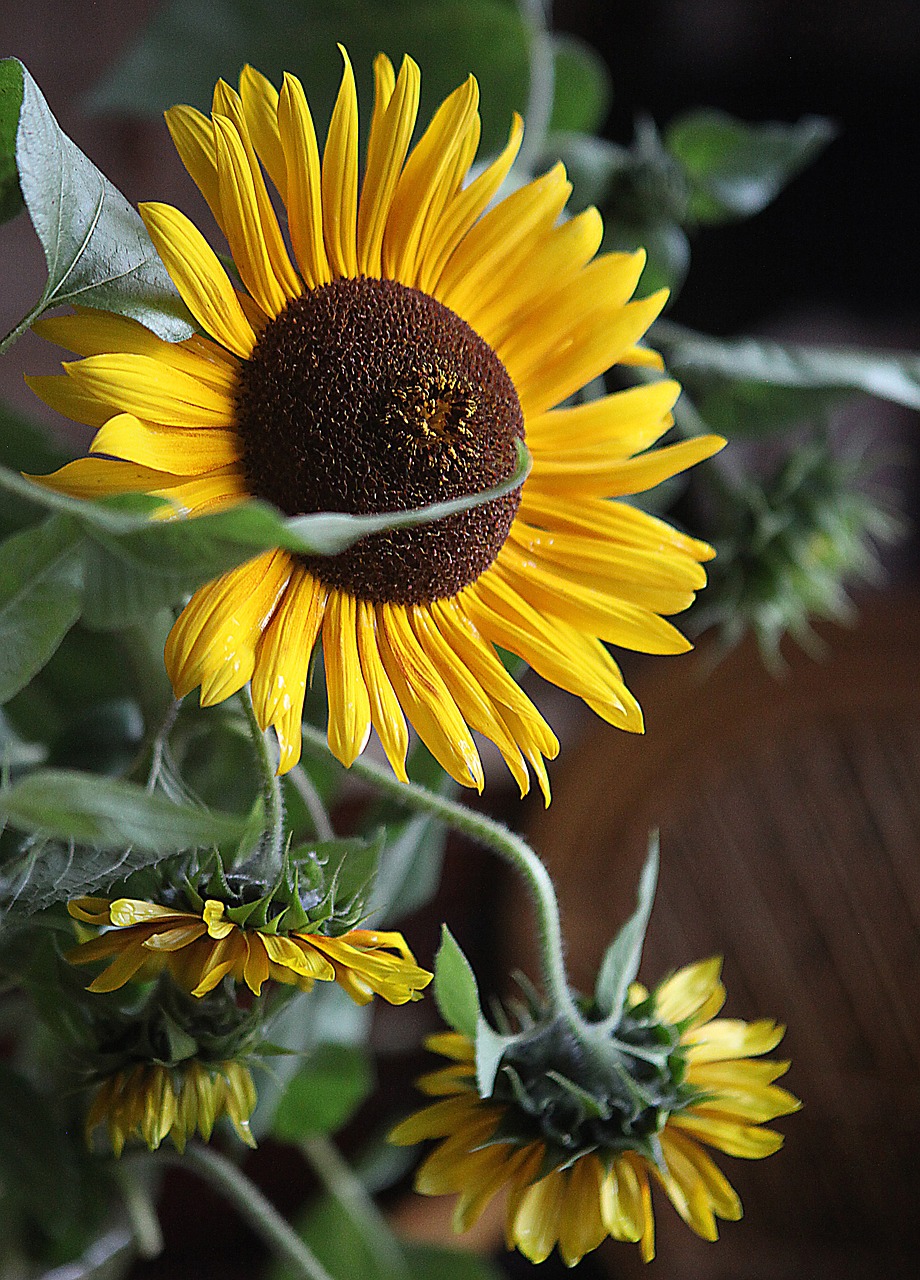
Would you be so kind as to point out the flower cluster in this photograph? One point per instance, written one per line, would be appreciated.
(577, 1148)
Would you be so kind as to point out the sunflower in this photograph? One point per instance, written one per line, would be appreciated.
(391, 358)
(150, 1101)
(200, 949)
(575, 1188)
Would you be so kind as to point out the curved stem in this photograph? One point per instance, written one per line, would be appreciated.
(494, 836)
(343, 1184)
(18, 330)
(305, 787)
(273, 838)
(224, 1176)
(542, 81)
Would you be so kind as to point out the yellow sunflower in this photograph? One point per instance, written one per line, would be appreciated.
(200, 949)
(150, 1101)
(601, 1186)
(390, 353)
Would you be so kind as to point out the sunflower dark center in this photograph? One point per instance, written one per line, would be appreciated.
(367, 396)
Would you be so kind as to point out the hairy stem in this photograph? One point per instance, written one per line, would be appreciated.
(494, 836)
(269, 858)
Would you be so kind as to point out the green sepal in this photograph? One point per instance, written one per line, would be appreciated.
(621, 962)
(594, 1107)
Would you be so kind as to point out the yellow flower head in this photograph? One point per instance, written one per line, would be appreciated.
(574, 1186)
(151, 1101)
(415, 336)
(201, 948)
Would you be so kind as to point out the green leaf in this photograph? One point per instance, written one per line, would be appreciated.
(582, 91)
(10, 106)
(40, 593)
(23, 446)
(190, 43)
(199, 549)
(324, 1094)
(111, 814)
(621, 962)
(96, 246)
(455, 989)
(890, 375)
(736, 169)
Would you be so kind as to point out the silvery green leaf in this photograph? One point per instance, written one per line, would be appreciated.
(96, 246)
(621, 962)
(490, 1049)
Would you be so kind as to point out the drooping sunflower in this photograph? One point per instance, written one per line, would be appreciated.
(150, 1101)
(201, 948)
(575, 1173)
(391, 358)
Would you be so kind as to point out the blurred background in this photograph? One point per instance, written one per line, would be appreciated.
(788, 801)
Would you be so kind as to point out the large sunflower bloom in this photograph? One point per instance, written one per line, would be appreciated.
(200, 949)
(604, 1190)
(392, 362)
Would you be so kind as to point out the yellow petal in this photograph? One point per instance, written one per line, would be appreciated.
(751, 1142)
(722, 1196)
(395, 110)
(681, 995)
(386, 714)
(260, 109)
(213, 641)
(60, 394)
(619, 424)
(340, 178)
(152, 390)
(536, 1224)
(349, 708)
(464, 209)
(425, 698)
(99, 477)
(607, 521)
(731, 1038)
(189, 452)
(304, 189)
(197, 273)
(595, 477)
(581, 1227)
(250, 230)
(431, 158)
(283, 662)
(193, 137)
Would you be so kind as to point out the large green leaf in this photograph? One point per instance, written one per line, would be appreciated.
(735, 169)
(190, 43)
(111, 814)
(40, 593)
(96, 246)
(890, 375)
(10, 105)
(324, 1094)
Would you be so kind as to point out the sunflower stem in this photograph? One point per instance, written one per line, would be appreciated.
(305, 787)
(18, 330)
(343, 1184)
(272, 843)
(224, 1176)
(495, 836)
(542, 81)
